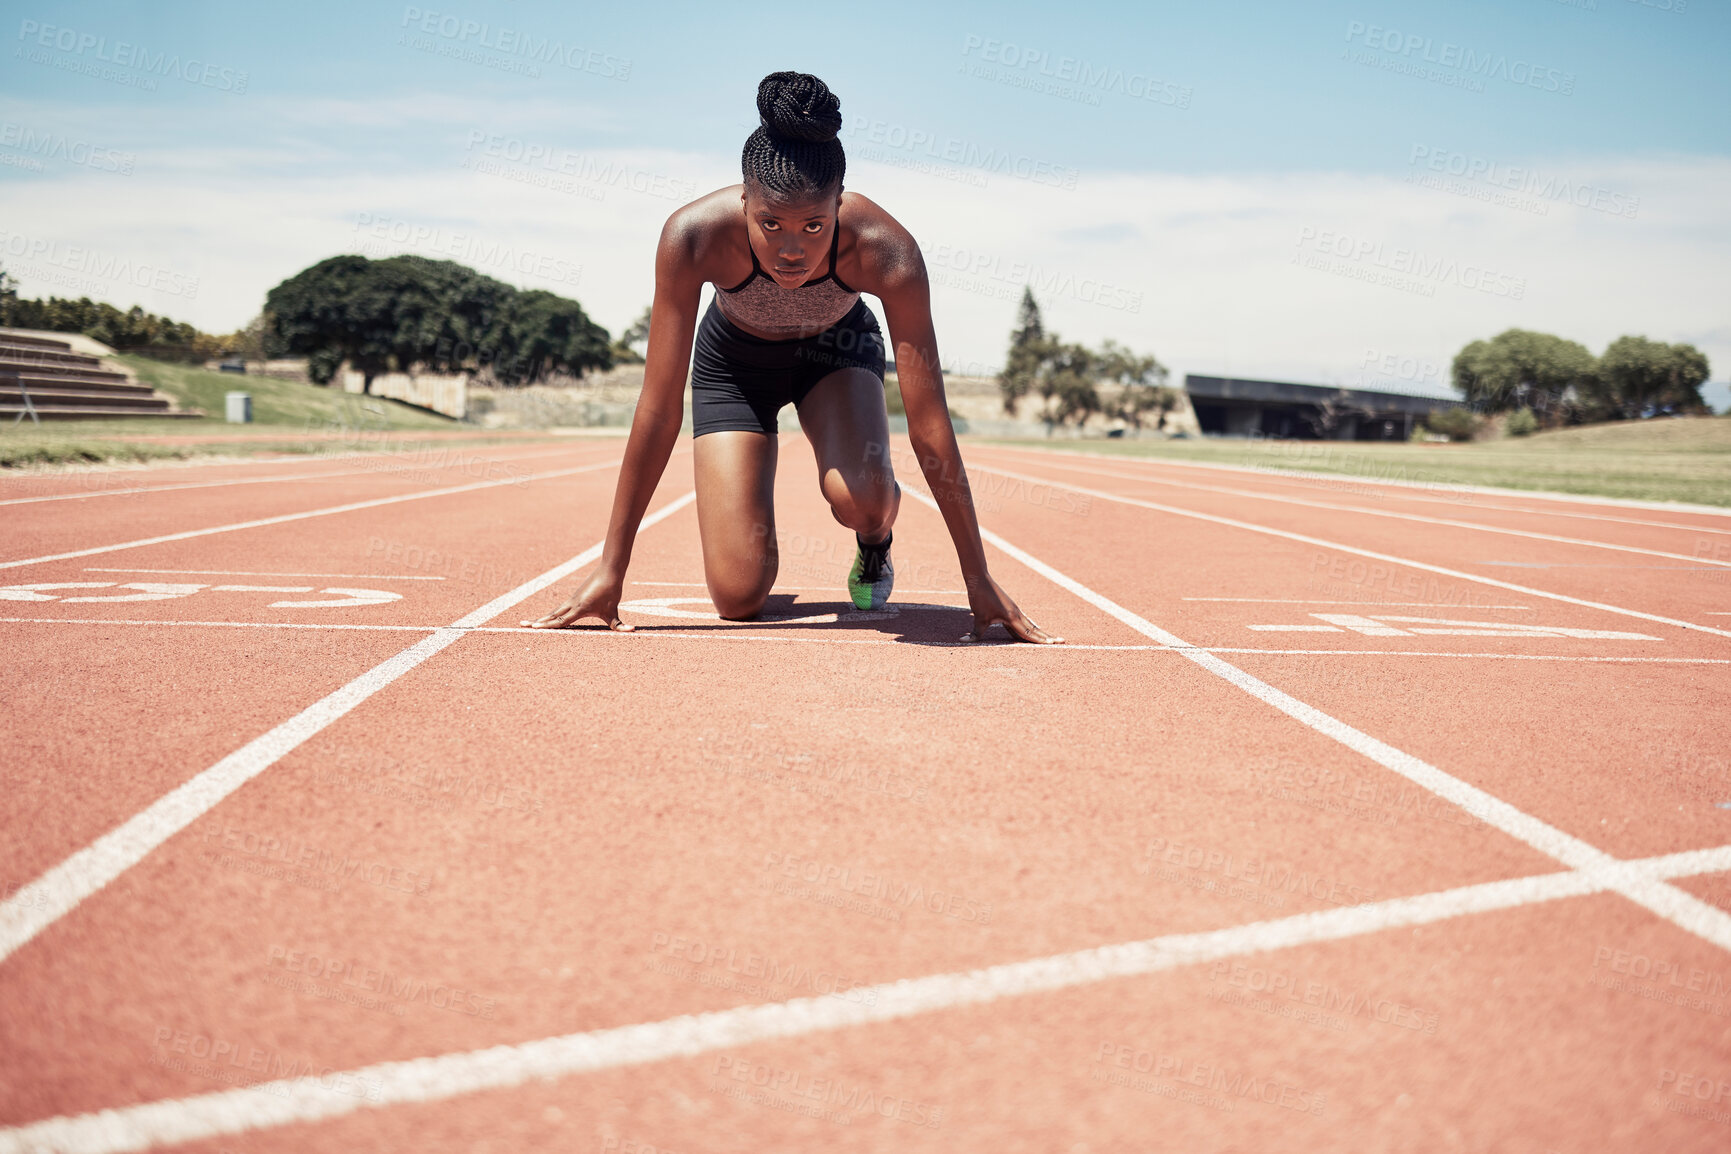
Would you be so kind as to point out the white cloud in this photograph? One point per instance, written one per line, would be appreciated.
(1198, 270)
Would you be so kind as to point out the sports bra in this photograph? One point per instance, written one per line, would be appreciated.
(760, 303)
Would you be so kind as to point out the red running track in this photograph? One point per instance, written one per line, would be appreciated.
(1335, 826)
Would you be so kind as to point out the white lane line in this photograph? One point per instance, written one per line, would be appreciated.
(1371, 553)
(1254, 600)
(57, 892)
(1676, 906)
(739, 634)
(372, 504)
(258, 573)
(422, 1080)
(1468, 655)
(795, 588)
(216, 624)
(1305, 475)
(1414, 517)
(382, 470)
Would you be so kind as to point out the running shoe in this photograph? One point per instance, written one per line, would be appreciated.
(872, 577)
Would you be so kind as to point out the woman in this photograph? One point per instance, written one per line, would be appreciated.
(789, 253)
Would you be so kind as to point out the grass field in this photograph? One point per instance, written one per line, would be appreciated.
(1663, 460)
(287, 418)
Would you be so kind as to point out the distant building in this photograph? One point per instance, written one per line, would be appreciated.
(1227, 406)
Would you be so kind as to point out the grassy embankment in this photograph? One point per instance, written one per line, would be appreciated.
(1661, 460)
(287, 418)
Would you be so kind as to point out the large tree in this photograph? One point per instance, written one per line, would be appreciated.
(1642, 378)
(1029, 348)
(1141, 395)
(1521, 369)
(406, 313)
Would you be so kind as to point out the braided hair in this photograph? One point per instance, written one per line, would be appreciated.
(795, 154)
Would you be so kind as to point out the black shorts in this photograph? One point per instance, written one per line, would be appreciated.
(740, 382)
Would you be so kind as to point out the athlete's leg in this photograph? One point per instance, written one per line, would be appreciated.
(736, 518)
(844, 419)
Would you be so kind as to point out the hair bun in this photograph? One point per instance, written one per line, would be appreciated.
(798, 106)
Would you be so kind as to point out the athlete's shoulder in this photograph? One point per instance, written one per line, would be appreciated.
(700, 230)
(887, 254)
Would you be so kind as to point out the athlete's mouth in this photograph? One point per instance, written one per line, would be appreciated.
(789, 271)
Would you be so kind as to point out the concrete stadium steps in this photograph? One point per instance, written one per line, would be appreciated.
(62, 384)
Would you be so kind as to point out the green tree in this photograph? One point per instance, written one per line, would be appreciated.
(1029, 349)
(637, 333)
(540, 332)
(1068, 382)
(1141, 396)
(337, 310)
(1640, 378)
(8, 296)
(407, 313)
(1517, 368)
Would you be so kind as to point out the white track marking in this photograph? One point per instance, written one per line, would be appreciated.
(150, 591)
(1430, 486)
(253, 573)
(349, 508)
(740, 635)
(1607, 659)
(34, 907)
(1414, 517)
(795, 588)
(1371, 553)
(421, 1080)
(349, 597)
(1674, 905)
(378, 470)
(669, 607)
(1296, 628)
(1308, 478)
(216, 624)
(1295, 601)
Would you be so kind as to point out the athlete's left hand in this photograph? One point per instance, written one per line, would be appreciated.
(992, 606)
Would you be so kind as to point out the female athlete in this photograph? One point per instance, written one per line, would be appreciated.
(789, 253)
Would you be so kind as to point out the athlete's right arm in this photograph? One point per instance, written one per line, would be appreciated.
(654, 426)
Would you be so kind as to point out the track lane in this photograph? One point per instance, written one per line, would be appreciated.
(1292, 527)
(1006, 1104)
(809, 785)
(1643, 539)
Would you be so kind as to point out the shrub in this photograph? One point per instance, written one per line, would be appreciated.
(1521, 423)
(1458, 423)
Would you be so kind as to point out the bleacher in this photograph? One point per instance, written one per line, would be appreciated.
(44, 375)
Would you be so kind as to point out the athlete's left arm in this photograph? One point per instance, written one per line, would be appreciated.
(895, 272)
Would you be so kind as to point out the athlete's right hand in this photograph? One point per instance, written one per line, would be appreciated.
(599, 597)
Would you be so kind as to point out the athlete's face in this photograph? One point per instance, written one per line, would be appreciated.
(791, 237)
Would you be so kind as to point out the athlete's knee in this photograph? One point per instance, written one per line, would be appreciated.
(738, 604)
(866, 509)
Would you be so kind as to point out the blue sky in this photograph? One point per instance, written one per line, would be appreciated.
(1235, 190)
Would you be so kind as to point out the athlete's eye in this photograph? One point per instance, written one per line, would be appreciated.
(768, 225)
(815, 226)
